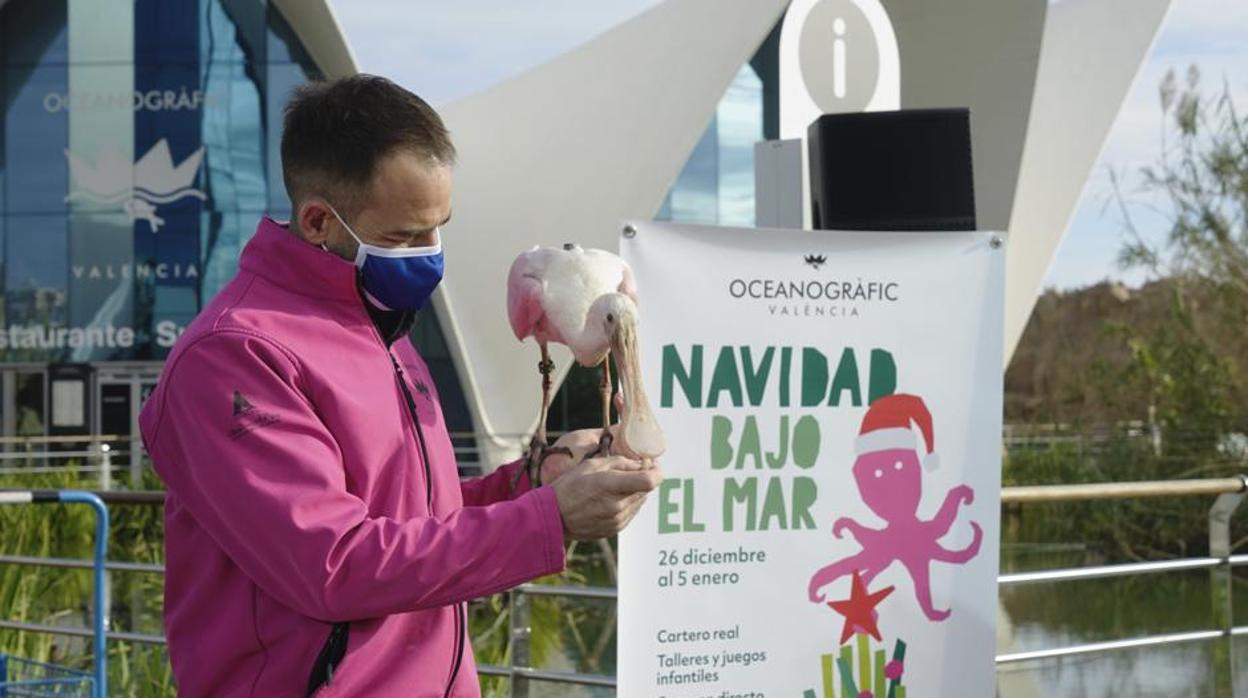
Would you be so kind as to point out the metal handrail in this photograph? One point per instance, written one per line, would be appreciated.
(1127, 570)
(1150, 641)
(81, 632)
(80, 564)
(99, 591)
(568, 677)
(1028, 494)
(22, 455)
(95, 438)
(1230, 492)
(569, 591)
(1123, 490)
(141, 497)
(611, 593)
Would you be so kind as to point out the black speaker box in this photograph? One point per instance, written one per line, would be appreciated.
(899, 170)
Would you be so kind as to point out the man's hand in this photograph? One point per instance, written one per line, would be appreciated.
(581, 443)
(598, 497)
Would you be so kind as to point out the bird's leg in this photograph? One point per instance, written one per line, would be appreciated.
(605, 388)
(546, 366)
(604, 442)
(538, 448)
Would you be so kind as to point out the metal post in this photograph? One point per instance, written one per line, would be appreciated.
(779, 184)
(136, 462)
(99, 642)
(136, 441)
(106, 466)
(521, 629)
(1220, 581)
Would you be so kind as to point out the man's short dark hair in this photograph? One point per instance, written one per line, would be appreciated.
(336, 132)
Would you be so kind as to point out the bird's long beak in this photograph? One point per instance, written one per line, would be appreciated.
(639, 430)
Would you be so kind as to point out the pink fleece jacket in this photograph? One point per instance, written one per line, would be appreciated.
(302, 492)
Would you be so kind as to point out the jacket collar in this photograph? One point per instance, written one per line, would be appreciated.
(281, 257)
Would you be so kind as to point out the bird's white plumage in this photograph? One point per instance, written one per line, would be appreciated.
(585, 300)
(550, 291)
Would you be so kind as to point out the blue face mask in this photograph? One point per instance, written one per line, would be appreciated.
(398, 278)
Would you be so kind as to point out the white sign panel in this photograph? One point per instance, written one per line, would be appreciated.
(836, 56)
(828, 522)
(69, 403)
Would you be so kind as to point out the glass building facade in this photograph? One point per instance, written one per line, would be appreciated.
(716, 186)
(139, 144)
(138, 150)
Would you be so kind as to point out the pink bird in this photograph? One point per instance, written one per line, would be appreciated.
(585, 300)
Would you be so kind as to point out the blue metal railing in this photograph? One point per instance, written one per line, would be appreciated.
(99, 586)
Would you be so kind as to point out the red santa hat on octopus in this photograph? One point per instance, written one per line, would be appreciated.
(887, 426)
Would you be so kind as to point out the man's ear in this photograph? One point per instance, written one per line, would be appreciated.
(314, 220)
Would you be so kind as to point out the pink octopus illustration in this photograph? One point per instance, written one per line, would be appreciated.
(889, 478)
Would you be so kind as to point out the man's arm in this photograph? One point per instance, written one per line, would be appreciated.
(271, 491)
(497, 486)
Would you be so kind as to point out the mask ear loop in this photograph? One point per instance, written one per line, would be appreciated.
(361, 251)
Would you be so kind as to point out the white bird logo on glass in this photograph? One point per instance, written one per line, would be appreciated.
(585, 300)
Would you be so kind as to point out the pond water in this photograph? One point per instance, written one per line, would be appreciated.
(1049, 615)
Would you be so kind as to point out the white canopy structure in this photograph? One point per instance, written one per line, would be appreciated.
(565, 153)
(569, 150)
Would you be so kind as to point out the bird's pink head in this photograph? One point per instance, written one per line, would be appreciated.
(524, 293)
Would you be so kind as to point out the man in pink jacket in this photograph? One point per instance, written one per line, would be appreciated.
(318, 538)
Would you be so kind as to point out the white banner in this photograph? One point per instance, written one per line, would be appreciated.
(828, 522)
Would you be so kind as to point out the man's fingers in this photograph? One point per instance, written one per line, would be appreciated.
(621, 463)
(628, 465)
(634, 502)
(580, 439)
(631, 505)
(632, 481)
(599, 496)
(580, 450)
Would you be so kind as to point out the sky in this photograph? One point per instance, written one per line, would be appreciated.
(444, 51)
(1211, 34)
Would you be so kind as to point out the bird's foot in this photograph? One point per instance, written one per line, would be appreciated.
(604, 445)
(539, 451)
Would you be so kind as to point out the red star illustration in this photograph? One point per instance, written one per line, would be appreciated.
(859, 609)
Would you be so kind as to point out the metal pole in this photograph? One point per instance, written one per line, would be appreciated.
(136, 462)
(136, 441)
(100, 587)
(1220, 581)
(106, 466)
(1121, 490)
(521, 630)
(106, 484)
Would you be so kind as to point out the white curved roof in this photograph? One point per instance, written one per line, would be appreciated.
(565, 153)
(317, 27)
(568, 150)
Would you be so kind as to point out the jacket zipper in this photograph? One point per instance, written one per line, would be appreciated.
(460, 630)
(330, 657)
(420, 434)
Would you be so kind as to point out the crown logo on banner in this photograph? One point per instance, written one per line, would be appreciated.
(153, 180)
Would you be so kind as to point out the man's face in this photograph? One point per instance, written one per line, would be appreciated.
(408, 199)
